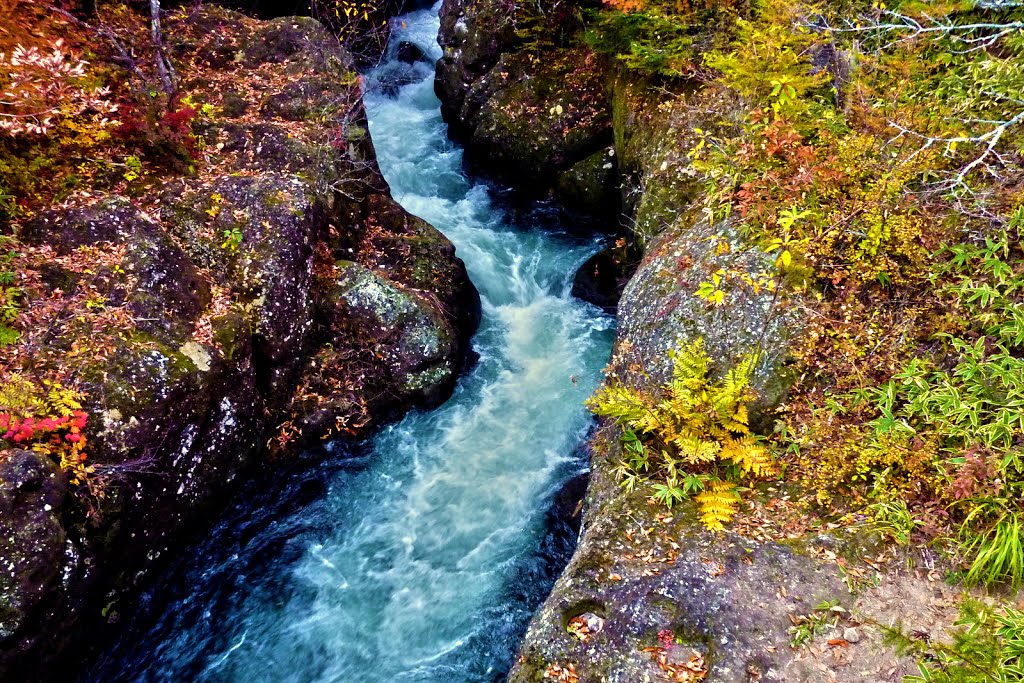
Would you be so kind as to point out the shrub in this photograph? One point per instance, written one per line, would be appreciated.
(41, 88)
(48, 419)
(689, 437)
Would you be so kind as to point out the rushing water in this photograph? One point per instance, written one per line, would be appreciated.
(422, 559)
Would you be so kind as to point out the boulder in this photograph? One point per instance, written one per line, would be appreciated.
(658, 583)
(602, 277)
(523, 118)
(527, 121)
(473, 35)
(591, 186)
(409, 53)
(660, 311)
(641, 583)
(37, 556)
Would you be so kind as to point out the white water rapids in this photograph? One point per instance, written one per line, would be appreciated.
(422, 561)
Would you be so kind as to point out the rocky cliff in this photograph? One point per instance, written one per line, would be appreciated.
(274, 299)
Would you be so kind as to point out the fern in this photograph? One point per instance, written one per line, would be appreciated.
(62, 401)
(718, 504)
(693, 429)
(694, 450)
(621, 404)
(749, 455)
(19, 396)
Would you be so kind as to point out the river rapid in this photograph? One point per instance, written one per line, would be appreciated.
(419, 556)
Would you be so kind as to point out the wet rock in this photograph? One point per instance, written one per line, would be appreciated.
(592, 186)
(409, 53)
(602, 277)
(526, 122)
(393, 78)
(32, 548)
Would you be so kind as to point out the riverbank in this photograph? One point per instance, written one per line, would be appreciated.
(194, 326)
(742, 274)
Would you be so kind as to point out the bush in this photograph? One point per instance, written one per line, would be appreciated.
(689, 437)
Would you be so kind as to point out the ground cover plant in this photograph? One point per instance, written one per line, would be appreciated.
(874, 149)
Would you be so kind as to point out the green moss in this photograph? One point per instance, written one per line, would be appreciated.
(135, 375)
(230, 333)
(273, 200)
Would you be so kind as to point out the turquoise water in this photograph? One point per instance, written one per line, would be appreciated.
(422, 559)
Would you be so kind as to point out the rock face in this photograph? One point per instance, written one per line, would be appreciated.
(280, 295)
(535, 122)
(729, 598)
(34, 546)
(667, 583)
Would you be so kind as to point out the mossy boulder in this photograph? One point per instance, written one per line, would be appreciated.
(592, 185)
(473, 35)
(390, 341)
(417, 343)
(255, 235)
(660, 311)
(523, 117)
(163, 290)
(640, 569)
(530, 119)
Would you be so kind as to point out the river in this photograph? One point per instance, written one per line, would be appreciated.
(421, 556)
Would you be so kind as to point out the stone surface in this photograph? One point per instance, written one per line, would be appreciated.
(35, 556)
(659, 311)
(726, 597)
(524, 119)
(602, 278)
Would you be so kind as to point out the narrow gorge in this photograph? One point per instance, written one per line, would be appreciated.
(588, 341)
(429, 547)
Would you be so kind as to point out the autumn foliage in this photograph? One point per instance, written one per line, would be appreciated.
(44, 86)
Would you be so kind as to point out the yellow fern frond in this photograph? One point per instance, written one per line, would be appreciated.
(690, 365)
(751, 456)
(653, 421)
(737, 421)
(718, 504)
(62, 401)
(627, 406)
(694, 450)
